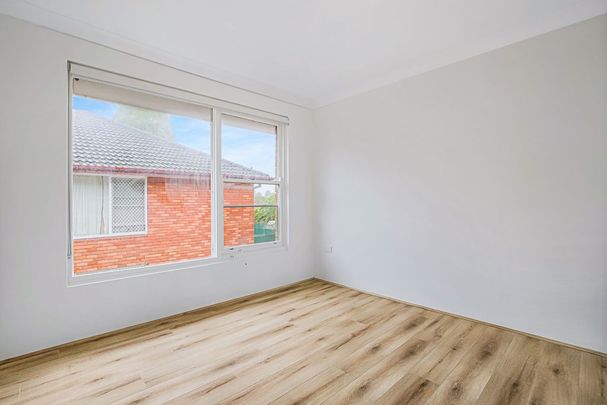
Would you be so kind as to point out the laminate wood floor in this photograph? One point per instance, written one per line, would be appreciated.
(310, 343)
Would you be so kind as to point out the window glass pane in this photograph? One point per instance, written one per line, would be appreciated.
(159, 166)
(250, 214)
(266, 224)
(249, 193)
(250, 225)
(250, 147)
(265, 194)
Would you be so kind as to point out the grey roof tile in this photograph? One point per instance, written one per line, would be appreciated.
(101, 144)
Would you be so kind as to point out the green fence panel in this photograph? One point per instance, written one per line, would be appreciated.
(263, 233)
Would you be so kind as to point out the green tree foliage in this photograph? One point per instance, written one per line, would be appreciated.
(152, 122)
(264, 215)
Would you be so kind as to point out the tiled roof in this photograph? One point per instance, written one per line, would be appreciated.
(101, 144)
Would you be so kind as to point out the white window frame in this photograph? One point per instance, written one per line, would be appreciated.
(218, 108)
(111, 233)
(232, 251)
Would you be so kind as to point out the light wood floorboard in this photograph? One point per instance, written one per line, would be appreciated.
(308, 343)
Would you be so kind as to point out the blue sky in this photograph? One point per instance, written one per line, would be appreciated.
(249, 148)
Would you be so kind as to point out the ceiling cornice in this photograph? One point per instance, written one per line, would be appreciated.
(467, 51)
(66, 25)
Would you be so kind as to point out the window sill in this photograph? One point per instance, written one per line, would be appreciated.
(111, 235)
(237, 252)
(232, 252)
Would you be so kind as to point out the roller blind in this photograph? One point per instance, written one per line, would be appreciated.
(232, 121)
(93, 81)
(121, 95)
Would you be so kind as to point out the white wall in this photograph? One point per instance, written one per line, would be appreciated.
(479, 188)
(37, 309)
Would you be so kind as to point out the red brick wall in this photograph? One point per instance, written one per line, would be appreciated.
(238, 222)
(179, 228)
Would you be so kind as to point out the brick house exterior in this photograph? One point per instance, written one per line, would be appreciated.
(178, 197)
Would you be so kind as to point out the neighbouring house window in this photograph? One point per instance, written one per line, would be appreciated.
(145, 171)
(95, 197)
(91, 205)
(128, 205)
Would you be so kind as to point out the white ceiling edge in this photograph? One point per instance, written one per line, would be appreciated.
(73, 27)
(462, 53)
